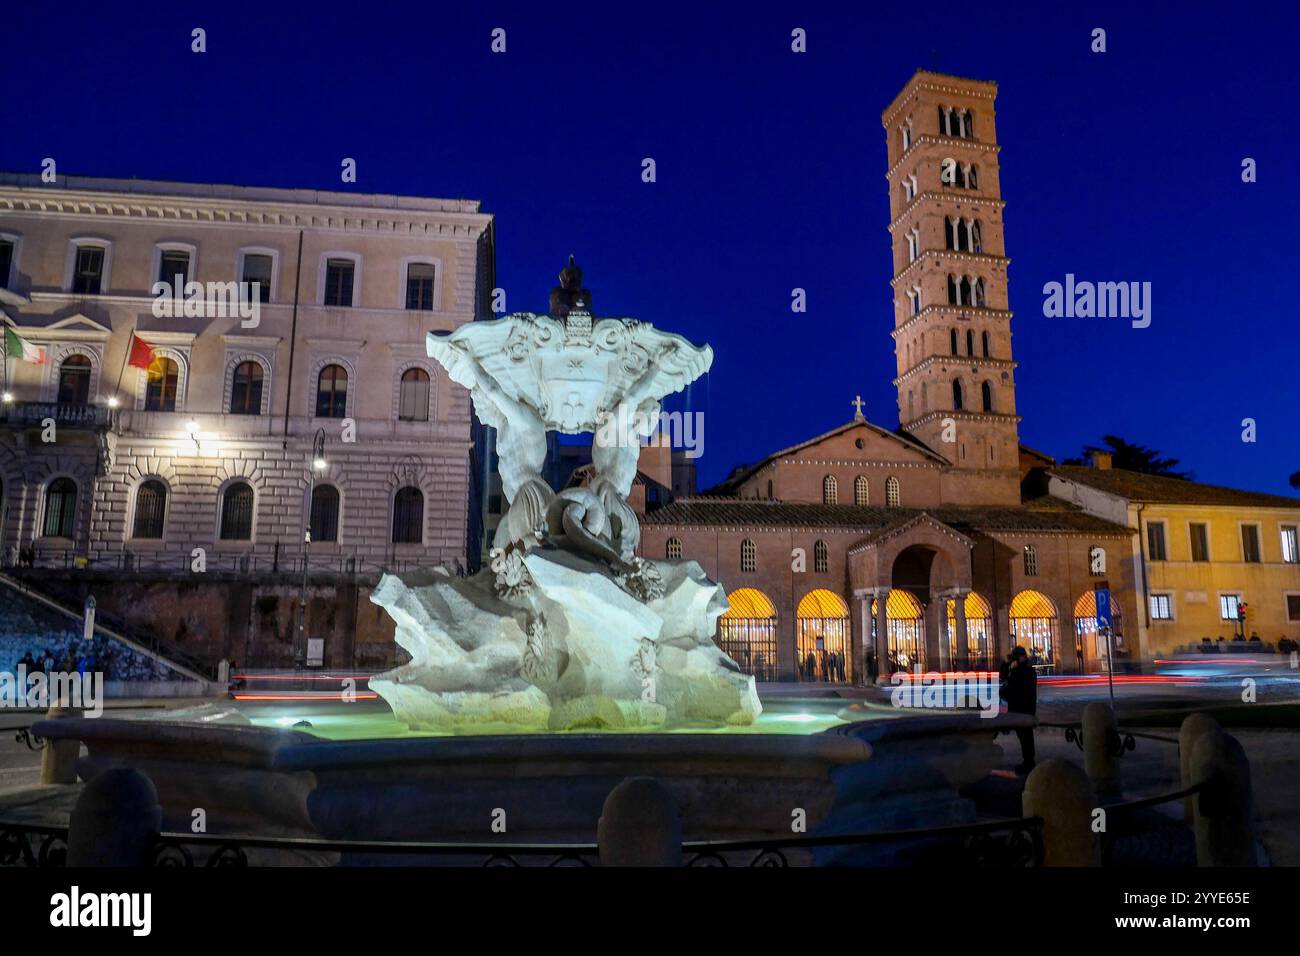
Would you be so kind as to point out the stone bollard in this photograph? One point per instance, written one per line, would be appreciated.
(1192, 727)
(1225, 810)
(115, 820)
(59, 757)
(1062, 795)
(1100, 761)
(639, 825)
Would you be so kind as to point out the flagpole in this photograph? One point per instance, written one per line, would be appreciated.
(125, 357)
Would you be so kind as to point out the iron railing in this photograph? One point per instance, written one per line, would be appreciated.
(65, 414)
(999, 843)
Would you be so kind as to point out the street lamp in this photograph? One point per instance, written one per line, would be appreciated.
(318, 464)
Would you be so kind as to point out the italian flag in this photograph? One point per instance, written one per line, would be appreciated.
(19, 348)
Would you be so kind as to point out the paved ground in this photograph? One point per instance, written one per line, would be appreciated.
(1150, 769)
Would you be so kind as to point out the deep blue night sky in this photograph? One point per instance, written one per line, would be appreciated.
(1119, 166)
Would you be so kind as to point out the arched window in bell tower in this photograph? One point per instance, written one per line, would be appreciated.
(956, 395)
(980, 302)
(949, 233)
(953, 293)
(952, 340)
(986, 393)
(970, 342)
(964, 296)
(985, 337)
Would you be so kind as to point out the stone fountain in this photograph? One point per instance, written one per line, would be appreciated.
(568, 628)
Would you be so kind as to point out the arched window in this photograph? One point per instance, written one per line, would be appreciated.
(970, 342)
(963, 236)
(74, 380)
(408, 516)
(246, 389)
(968, 124)
(673, 550)
(414, 404)
(861, 490)
(976, 242)
(943, 120)
(821, 558)
(986, 393)
(1031, 560)
(237, 512)
(984, 337)
(324, 513)
(964, 293)
(925, 402)
(332, 392)
(979, 294)
(953, 292)
(952, 340)
(891, 492)
(748, 556)
(150, 510)
(830, 490)
(160, 385)
(956, 395)
(949, 233)
(60, 508)
(974, 179)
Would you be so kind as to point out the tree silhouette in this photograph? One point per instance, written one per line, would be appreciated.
(1295, 480)
(1133, 457)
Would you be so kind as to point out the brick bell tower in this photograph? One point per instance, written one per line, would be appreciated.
(952, 326)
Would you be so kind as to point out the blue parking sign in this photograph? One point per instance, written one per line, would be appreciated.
(1103, 608)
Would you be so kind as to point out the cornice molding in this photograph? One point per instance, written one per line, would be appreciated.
(923, 139)
(224, 214)
(962, 313)
(969, 196)
(957, 361)
(983, 257)
(933, 86)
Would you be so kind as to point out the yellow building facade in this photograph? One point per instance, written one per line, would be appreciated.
(1211, 562)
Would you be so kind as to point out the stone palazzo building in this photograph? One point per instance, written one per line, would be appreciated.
(943, 542)
(164, 452)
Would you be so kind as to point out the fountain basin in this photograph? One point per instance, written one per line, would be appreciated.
(871, 774)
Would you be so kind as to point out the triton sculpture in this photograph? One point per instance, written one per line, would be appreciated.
(568, 628)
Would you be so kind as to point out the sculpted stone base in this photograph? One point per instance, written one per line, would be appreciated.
(562, 641)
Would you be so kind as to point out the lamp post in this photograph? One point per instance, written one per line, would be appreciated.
(318, 463)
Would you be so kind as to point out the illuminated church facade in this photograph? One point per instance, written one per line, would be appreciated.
(944, 542)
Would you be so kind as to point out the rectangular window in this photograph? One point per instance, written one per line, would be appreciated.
(419, 286)
(1200, 542)
(6, 262)
(1293, 607)
(338, 282)
(1250, 543)
(88, 271)
(1156, 541)
(1161, 607)
(257, 270)
(1229, 607)
(174, 267)
(1290, 544)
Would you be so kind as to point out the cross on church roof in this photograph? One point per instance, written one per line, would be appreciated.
(857, 404)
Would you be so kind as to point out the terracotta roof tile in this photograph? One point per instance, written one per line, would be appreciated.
(1136, 486)
(735, 512)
